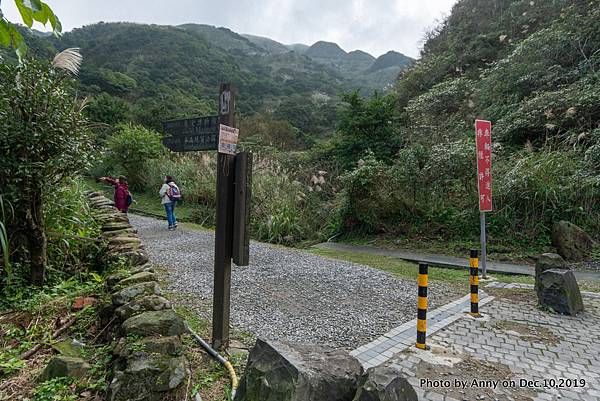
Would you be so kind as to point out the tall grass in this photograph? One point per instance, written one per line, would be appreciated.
(4, 242)
(284, 209)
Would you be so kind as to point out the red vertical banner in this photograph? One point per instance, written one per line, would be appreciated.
(483, 135)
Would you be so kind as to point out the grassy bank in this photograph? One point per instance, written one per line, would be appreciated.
(408, 270)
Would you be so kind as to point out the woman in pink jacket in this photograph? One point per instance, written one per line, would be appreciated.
(121, 192)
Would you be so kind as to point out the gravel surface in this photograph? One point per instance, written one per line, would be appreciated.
(288, 294)
(590, 265)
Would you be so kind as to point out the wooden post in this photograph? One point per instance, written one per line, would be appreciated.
(224, 227)
(242, 202)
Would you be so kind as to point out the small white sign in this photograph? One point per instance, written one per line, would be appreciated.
(228, 137)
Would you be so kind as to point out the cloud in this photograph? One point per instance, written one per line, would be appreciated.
(375, 26)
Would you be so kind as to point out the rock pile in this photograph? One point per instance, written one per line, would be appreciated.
(146, 330)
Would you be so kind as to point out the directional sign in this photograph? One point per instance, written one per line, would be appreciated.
(483, 135)
(192, 134)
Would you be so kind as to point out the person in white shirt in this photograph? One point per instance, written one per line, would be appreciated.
(169, 193)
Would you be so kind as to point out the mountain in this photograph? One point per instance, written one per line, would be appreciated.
(298, 47)
(325, 51)
(151, 73)
(361, 69)
(364, 70)
(268, 45)
(390, 59)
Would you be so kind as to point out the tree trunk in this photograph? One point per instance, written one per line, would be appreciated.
(36, 238)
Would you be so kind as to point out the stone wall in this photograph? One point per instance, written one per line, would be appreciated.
(143, 328)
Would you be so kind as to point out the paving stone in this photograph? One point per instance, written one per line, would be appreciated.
(573, 356)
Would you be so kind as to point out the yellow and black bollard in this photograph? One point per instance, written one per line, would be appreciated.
(474, 282)
(422, 306)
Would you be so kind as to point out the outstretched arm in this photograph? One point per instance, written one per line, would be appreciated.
(109, 180)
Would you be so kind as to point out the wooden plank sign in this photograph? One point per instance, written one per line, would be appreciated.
(228, 137)
(192, 134)
(483, 135)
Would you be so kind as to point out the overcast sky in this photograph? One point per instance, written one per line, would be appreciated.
(375, 26)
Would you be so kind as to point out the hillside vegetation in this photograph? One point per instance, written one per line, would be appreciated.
(150, 73)
(402, 165)
(398, 164)
(532, 68)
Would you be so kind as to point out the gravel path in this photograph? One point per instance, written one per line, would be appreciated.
(286, 293)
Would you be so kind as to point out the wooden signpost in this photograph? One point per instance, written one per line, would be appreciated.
(234, 177)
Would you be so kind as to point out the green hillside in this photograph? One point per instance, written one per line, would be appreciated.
(532, 68)
(152, 73)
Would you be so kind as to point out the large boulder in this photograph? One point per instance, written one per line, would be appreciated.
(384, 383)
(278, 371)
(548, 261)
(571, 242)
(154, 323)
(145, 304)
(558, 291)
(65, 366)
(147, 377)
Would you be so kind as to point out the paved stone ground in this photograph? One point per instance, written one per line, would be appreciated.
(383, 348)
(514, 341)
(287, 294)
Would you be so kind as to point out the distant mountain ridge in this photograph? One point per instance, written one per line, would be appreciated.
(362, 70)
(357, 65)
(153, 73)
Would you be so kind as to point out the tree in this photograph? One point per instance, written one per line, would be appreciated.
(30, 10)
(43, 141)
(366, 124)
(129, 150)
(107, 109)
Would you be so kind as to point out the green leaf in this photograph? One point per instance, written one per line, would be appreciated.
(26, 13)
(18, 42)
(53, 19)
(35, 5)
(41, 16)
(4, 33)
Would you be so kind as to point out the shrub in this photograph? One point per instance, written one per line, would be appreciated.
(128, 151)
(371, 201)
(43, 142)
(535, 189)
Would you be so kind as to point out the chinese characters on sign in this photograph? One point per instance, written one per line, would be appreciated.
(228, 138)
(191, 134)
(483, 132)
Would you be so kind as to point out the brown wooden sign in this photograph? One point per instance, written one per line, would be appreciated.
(192, 134)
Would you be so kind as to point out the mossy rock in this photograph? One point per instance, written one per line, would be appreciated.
(137, 278)
(148, 377)
(139, 305)
(126, 347)
(127, 294)
(65, 366)
(154, 323)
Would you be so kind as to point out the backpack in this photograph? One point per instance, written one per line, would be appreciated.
(129, 198)
(173, 193)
